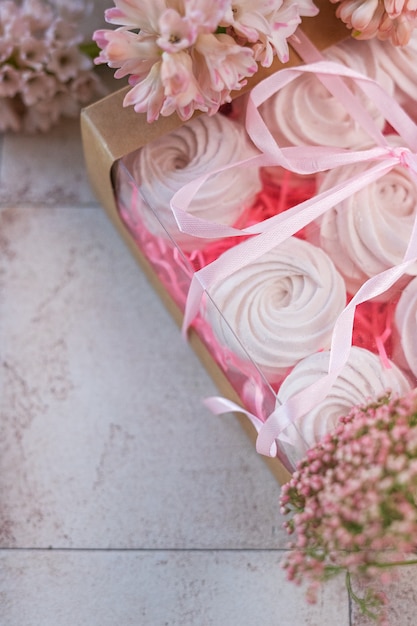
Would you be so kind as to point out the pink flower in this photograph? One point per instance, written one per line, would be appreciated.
(384, 19)
(182, 92)
(222, 39)
(62, 33)
(138, 14)
(84, 88)
(353, 509)
(222, 64)
(307, 8)
(177, 32)
(148, 95)
(8, 12)
(40, 60)
(249, 18)
(10, 81)
(207, 15)
(32, 53)
(65, 63)
(73, 11)
(176, 47)
(128, 52)
(267, 24)
(397, 30)
(9, 119)
(38, 14)
(359, 13)
(6, 48)
(36, 86)
(285, 22)
(394, 8)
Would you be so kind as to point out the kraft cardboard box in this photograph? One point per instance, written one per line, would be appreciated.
(111, 132)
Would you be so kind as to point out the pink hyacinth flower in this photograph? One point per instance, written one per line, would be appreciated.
(136, 14)
(66, 63)
(249, 18)
(36, 86)
(176, 32)
(206, 15)
(10, 81)
(225, 63)
(286, 22)
(392, 20)
(147, 96)
(183, 46)
(394, 8)
(181, 88)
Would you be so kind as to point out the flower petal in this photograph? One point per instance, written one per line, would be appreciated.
(136, 14)
(148, 95)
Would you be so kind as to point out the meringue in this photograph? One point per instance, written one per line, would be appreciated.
(406, 325)
(281, 307)
(363, 379)
(368, 232)
(400, 64)
(304, 112)
(165, 165)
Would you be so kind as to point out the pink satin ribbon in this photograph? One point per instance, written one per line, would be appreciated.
(271, 232)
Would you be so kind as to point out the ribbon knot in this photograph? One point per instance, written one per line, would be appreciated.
(406, 158)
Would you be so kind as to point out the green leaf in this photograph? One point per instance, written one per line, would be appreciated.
(90, 49)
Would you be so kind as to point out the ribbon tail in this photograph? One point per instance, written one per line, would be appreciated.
(218, 406)
(192, 304)
(273, 430)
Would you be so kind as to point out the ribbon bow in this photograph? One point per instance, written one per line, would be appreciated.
(266, 235)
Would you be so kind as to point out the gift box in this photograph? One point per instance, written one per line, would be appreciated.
(197, 265)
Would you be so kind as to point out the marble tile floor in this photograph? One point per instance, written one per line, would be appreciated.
(123, 501)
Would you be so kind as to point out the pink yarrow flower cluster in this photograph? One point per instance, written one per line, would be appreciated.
(43, 72)
(352, 502)
(187, 55)
(392, 20)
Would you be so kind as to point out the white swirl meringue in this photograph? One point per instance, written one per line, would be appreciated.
(400, 64)
(368, 232)
(281, 307)
(165, 165)
(363, 379)
(305, 113)
(406, 326)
